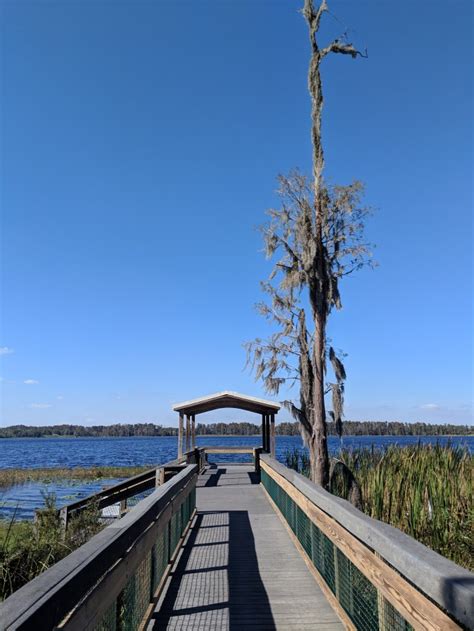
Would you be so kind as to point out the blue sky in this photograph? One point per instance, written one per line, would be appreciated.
(139, 149)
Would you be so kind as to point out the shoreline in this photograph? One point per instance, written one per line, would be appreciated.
(72, 437)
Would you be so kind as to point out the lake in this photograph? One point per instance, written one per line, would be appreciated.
(22, 500)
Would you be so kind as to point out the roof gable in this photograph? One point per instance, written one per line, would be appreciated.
(227, 399)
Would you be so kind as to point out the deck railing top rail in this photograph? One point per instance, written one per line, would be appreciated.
(450, 586)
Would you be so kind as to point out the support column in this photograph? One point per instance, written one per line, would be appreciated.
(272, 436)
(193, 431)
(264, 432)
(188, 432)
(180, 435)
(267, 431)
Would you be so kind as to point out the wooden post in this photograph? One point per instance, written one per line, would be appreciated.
(264, 432)
(272, 436)
(63, 519)
(123, 507)
(188, 432)
(160, 476)
(193, 431)
(267, 432)
(180, 435)
(197, 458)
(256, 458)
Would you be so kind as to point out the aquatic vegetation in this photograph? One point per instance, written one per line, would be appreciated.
(10, 477)
(424, 490)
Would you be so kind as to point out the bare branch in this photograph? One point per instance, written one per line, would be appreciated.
(344, 49)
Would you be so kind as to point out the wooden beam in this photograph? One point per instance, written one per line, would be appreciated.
(264, 432)
(418, 610)
(229, 450)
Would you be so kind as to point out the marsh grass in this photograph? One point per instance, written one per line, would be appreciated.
(28, 548)
(11, 477)
(424, 490)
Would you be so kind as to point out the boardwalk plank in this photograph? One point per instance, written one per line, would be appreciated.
(239, 568)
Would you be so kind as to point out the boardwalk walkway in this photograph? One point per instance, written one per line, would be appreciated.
(239, 568)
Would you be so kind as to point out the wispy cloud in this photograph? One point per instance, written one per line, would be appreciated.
(60, 397)
(40, 406)
(30, 382)
(5, 350)
(430, 406)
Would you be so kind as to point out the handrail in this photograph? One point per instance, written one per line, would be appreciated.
(121, 490)
(217, 449)
(46, 600)
(399, 563)
(130, 487)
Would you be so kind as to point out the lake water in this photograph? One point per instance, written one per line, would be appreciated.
(22, 500)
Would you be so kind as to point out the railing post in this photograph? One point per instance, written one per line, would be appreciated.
(256, 458)
(160, 476)
(123, 507)
(63, 519)
(197, 458)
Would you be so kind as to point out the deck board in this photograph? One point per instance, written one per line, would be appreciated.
(239, 568)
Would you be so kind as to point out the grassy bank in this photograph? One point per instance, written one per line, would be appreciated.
(424, 490)
(27, 548)
(10, 477)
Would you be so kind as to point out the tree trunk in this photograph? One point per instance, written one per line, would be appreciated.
(318, 448)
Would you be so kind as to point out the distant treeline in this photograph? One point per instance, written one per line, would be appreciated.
(351, 428)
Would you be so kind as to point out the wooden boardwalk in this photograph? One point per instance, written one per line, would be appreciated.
(239, 569)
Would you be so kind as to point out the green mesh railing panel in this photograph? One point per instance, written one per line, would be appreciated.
(128, 610)
(393, 619)
(367, 609)
(160, 555)
(135, 598)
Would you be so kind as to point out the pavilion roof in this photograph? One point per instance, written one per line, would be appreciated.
(227, 399)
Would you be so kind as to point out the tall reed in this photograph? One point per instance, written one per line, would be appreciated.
(424, 490)
(28, 548)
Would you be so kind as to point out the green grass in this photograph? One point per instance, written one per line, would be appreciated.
(10, 477)
(424, 490)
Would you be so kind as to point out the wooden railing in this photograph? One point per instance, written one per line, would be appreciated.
(131, 487)
(113, 580)
(375, 576)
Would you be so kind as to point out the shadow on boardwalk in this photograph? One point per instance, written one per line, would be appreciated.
(218, 476)
(216, 583)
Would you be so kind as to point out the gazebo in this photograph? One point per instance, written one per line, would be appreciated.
(225, 399)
